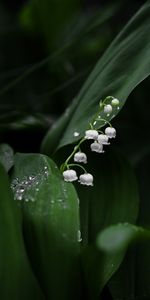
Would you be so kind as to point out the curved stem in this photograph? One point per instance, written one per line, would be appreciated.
(104, 121)
(108, 98)
(100, 131)
(65, 164)
(77, 165)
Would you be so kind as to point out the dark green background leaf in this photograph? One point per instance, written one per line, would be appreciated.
(132, 278)
(114, 198)
(123, 66)
(6, 156)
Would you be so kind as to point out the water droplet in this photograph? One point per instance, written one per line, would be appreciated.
(79, 236)
(15, 182)
(31, 178)
(65, 206)
(118, 107)
(60, 200)
(76, 133)
(18, 196)
(108, 115)
(37, 189)
(46, 173)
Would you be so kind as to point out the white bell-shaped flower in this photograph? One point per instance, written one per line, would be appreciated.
(86, 179)
(103, 139)
(97, 147)
(80, 157)
(107, 109)
(70, 175)
(115, 102)
(91, 134)
(110, 132)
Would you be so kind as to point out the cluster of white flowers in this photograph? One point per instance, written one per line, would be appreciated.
(71, 175)
(100, 139)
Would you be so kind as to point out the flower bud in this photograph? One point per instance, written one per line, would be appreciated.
(80, 157)
(115, 102)
(97, 147)
(107, 109)
(70, 175)
(110, 132)
(91, 134)
(86, 179)
(103, 139)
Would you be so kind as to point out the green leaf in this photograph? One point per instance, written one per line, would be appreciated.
(132, 278)
(123, 66)
(6, 156)
(114, 242)
(50, 209)
(114, 198)
(117, 238)
(16, 278)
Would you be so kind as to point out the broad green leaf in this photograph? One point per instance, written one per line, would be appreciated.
(113, 199)
(16, 278)
(122, 67)
(50, 208)
(6, 156)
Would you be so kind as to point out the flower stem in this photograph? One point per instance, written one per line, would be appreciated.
(65, 164)
(104, 121)
(77, 165)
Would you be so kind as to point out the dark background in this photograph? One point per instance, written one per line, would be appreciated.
(33, 94)
(31, 100)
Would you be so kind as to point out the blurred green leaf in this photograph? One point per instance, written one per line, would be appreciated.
(45, 16)
(50, 209)
(16, 278)
(114, 198)
(123, 66)
(117, 238)
(6, 156)
(114, 242)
